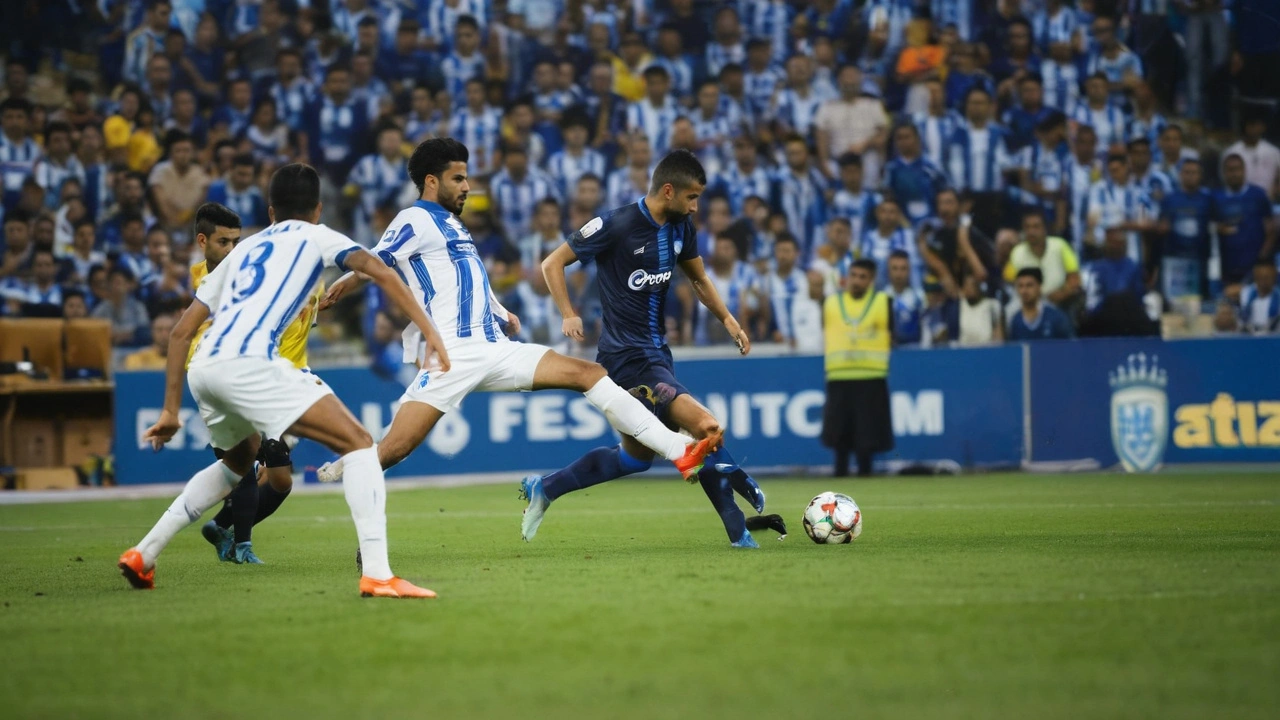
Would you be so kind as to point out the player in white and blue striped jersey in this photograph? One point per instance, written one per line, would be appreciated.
(435, 256)
(243, 388)
(576, 159)
(376, 181)
(18, 153)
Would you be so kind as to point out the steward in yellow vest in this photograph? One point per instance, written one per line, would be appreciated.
(857, 324)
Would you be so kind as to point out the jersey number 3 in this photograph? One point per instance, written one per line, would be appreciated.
(251, 273)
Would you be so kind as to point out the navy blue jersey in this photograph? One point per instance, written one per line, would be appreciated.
(636, 258)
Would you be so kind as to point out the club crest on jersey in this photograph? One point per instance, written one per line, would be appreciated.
(679, 246)
(640, 279)
(592, 227)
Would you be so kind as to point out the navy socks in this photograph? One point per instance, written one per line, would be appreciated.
(598, 466)
(240, 507)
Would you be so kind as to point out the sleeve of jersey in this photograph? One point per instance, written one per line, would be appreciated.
(591, 239)
(396, 245)
(689, 251)
(335, 247)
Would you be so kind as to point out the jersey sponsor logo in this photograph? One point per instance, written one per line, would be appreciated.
(640, 279)
(592, 227)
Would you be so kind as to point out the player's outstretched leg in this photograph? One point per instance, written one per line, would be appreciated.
(717, 478)
(723, 463)
(597, 466)
(205, 489)
(331, 424)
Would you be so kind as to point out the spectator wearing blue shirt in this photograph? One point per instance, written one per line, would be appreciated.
(799, 191)
(964, 76)
(516, 190)
(404, 66)
(907, 301)
(1021, 119)
(576, 159)
(1044, 165)
(1036, 319)
(292, 92)
(1184, 222)
(1114, 289)
(1101, 113)
(851, 200)
(376, 181)
(761, 78)
(439, 18)
(1151, 181)
(795, 107)
(1018, 62)
(479, 127)
(655, 113)
(338, 126)
(232, 118)
(464, 61)
(549, 102)
(202, 63)
(18, 153)
(912, 179)
(744, 177)
(238, 192)
(1246, 230)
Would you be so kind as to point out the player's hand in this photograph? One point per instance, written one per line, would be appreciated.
(435, 346)
(334, 294)
(163, 431)
(572, 328)
(739, 336)
(513, 324)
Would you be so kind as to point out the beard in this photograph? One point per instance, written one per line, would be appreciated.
(674, 218)
(454, 204)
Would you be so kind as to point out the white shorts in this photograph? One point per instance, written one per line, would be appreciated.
(243, 396)
(477, 365)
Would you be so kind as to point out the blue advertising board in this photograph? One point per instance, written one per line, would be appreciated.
(1142, 403)
(961, 405)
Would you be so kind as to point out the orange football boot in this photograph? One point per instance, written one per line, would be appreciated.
(696, 454)
(134, 570)
(393, 588)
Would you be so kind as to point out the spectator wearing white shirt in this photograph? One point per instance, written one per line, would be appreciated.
(852, 123)
(981, 317)
(1261, 158)
(834, 257)
(1260, 302)
(58, 164)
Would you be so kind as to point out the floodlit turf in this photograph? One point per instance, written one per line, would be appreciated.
(1004, 596)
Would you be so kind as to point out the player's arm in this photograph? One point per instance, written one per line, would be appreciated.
(553, 267)
(710, 297)
(511, 320)
(362, 261)
(184, 332)
(350, 282)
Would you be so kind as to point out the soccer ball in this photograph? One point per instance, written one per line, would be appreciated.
(833, 519)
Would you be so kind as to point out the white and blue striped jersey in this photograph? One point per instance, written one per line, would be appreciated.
(1048, 169)
(436, 257)
(1061, 27)
(1079, 179)
(720, 55)
(1108, 122)
(654, 122)
(515, 200)
(801, 199)
(50, 176)
(737, 185)
(681, 72)
(620, 190)
(386, 13)
(417, 129)
(760, 88)
(1149, 128)
(439, 21)
(874, 246)
(565, 169)
(140, 46)
(1114, 68)
(768, 19)
(244, 18)
(1155, 184)
(292, 102)
(17, 160)
(261, 287)
(556, 101)
(796, 113)
(782, 292)
(935, 135)
(248, 203)
(896, 14)
(953, 12)
(858, 208)
(480, 132)
(1061, 84)
(736, 291)
(714, 135)
(978, 159)
(1111, 204)
(457, 70)
(380, 181)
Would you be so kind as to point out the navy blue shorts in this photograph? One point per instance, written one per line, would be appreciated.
(647, 373)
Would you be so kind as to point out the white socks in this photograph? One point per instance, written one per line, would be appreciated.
(366, 492)
(629, 416)
(205, 489)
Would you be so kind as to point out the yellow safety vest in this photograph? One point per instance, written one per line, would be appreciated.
(293, 342)
(857, 336)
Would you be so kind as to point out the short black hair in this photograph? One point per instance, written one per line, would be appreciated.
(287, 51)
(1174, 127)
(86, 220)
(211, 216)
(757, 42)
(433, 157)
(468, 20)
(122, 271)
(79, 85)
(294, 191)
(853, 159)
(976, 89)
(899, 255)
(656, 71)
(17, 215)
(367, 21)
(1232, 156)
(1264, 263)
(865, 263)
(131, 216)
(243, 159)
(70, 292)
(14, 103)
(1031, 272)
(175, 136)
(56, 127)
(785, 238)
(680, 169)
(1138, 141)
(1117, 157)
(1033, 211)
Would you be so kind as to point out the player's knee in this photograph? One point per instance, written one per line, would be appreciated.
(706, 427)
(591, 374)
(280, 478)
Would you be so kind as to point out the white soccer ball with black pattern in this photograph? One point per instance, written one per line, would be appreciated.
(833, 519)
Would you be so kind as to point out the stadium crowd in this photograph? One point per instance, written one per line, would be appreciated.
(1018, 169)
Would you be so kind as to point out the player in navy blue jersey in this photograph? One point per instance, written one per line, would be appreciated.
(637, 249)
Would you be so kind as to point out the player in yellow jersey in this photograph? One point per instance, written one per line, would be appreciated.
(263, 490)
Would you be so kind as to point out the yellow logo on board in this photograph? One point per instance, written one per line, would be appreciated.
(1228, 423)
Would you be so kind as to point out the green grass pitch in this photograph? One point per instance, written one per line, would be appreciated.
(1012, 596)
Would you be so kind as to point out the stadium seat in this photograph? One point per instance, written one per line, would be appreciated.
(37, 340)
(88, 348)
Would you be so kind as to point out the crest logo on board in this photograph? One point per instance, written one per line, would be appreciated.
(1139, 412)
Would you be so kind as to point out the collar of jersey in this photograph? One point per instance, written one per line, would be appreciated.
(644, 210)
(429, 206)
